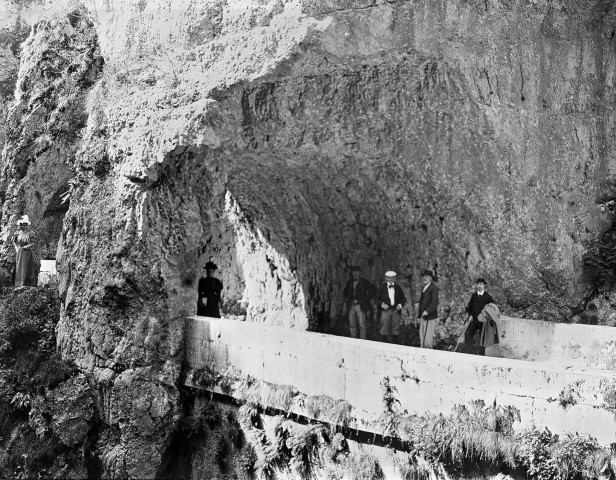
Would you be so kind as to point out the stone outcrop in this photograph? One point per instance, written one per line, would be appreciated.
(356, 133)
(58, 63)
(12, 33)
(287, 141)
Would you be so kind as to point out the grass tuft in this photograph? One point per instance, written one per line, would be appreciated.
(482, 435)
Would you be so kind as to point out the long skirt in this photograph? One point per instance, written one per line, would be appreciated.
(212, 309)
(25, 268)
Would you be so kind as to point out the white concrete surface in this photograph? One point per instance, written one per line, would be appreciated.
(47, 272)
(566, 345)
(426, 380)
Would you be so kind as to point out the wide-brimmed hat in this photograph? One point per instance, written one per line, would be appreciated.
(24, 220)
(428, 273)
(211, 266)
(390, 273)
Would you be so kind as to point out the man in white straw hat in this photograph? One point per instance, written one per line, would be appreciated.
(23, 241)
(390, 299)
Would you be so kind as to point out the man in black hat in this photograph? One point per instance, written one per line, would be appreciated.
(428, 310)
(478, 301)
(357, 294)
(210, 289)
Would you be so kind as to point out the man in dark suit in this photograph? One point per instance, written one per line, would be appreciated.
(357, 294)
(475, 306)
(390, 299)
(428, 310)
(210, 293)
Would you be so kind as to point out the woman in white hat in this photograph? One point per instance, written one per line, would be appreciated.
(23, 241)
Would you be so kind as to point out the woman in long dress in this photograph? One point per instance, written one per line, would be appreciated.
(25, 264)
(210, 295)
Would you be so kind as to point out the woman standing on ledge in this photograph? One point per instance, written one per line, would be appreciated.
(23, 241)
(210, 289)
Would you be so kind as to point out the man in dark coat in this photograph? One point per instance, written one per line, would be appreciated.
(428, 310)
(390, 299)
(210, 293)
(357, 295)
(475, 306)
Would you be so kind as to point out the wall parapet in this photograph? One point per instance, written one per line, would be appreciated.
(350, 372)
(563, 344)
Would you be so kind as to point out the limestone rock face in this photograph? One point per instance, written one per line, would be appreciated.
(59, 61)
(287, 141)
(12, 33)
(66, 411)
(474, 136)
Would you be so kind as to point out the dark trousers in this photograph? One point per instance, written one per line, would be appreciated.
(470, 332)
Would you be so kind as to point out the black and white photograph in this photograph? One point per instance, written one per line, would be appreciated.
(308, 239)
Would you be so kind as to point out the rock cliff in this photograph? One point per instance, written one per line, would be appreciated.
(471, 135)
(289, 140)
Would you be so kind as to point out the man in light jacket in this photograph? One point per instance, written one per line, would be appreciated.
(390, 299)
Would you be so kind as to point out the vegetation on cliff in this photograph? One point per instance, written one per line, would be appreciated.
(473, 441)
(30, 374)
(481, 436)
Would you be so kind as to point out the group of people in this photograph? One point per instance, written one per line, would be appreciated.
(389, 300)
(362, 297)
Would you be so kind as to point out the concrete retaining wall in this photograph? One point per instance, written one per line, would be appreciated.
(583, 346)
(563, 399)
(47, 272)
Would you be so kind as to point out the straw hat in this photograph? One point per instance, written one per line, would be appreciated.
(24, 220)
